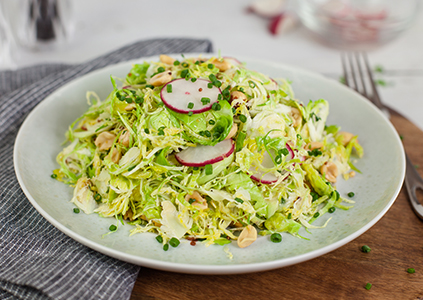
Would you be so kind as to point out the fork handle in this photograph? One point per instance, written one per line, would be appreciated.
(413, 181)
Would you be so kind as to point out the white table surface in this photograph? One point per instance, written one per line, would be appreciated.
(104, 25)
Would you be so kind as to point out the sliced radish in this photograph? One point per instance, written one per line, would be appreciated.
(204, 155)
(268, 178)
(232, 60)
(282, 23)
(185, 96)
(291, 154)
(272, 85)
(260, 176)
(267, 8)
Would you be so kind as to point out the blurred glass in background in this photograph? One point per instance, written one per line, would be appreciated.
(33, 25)
(357, 24)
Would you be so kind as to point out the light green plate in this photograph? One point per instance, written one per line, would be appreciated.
(383, 166)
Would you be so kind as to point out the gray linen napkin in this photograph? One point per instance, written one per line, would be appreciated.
(37, 261)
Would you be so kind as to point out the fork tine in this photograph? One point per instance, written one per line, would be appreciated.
(360, 71)
(344, 69)
(375, 99)
(352, 72)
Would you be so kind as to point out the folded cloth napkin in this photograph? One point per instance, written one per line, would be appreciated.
(37, 261)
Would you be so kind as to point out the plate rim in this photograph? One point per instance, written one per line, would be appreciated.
(203, 268)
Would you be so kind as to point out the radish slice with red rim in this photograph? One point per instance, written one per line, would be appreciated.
(205, 155)
(185, 96)
(268, 178)
(291, 154)
(232, 60)
(260, 176)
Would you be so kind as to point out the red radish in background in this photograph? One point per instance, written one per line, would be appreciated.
(267, 8)
(205, 155)
(185, 96)
(283, 22)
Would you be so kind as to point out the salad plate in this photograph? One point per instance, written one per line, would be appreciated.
(375, 189)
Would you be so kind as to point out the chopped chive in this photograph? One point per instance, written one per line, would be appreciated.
(191, 200)
(166, 247)
(210, 85)
(289, 215)
(276, 238)
(149, 86)
(195, 168)
(283, 200)
(242, 118)
(190, 113)
(212, 77)
(184, 73)
(251, 84)
(97, 197)
(208, 169)
(216, 106)
(131, 168)
(210, 66)
(76, 210)
(159, 238)
(365, 249)
(314, 195)
(239, 200)
(169, 88)
(299, 136)
(161, 70)
(193, 79)
(368, 286)
(207, 133)
(217, 83)
(331, 210)
(278, 159)
(219, 97)
(147, 131)
(226, 94)
(128, 100)
(411, 270)
(283, 151)
(176, 63)
(112, 228)
(139, 100)
(160, 132)
(190, 105)
(212, 122)
(380, 82)
(174, 242)
(184, 64)
(316, 215)
(205, 100)
(54, 176)
(315, 152)
(350, 194)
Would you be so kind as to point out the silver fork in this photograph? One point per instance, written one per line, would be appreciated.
(352, 68)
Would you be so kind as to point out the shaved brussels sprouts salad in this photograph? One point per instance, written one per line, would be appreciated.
(205, 149)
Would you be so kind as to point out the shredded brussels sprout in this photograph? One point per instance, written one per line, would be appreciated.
(122, 155)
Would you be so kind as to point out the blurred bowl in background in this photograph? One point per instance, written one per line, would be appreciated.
(357, 24)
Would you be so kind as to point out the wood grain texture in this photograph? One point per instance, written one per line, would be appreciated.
(396, 242)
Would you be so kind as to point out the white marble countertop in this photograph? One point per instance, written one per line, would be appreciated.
(104, 25)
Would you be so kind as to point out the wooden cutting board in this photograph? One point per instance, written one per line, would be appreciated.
(396, 243)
